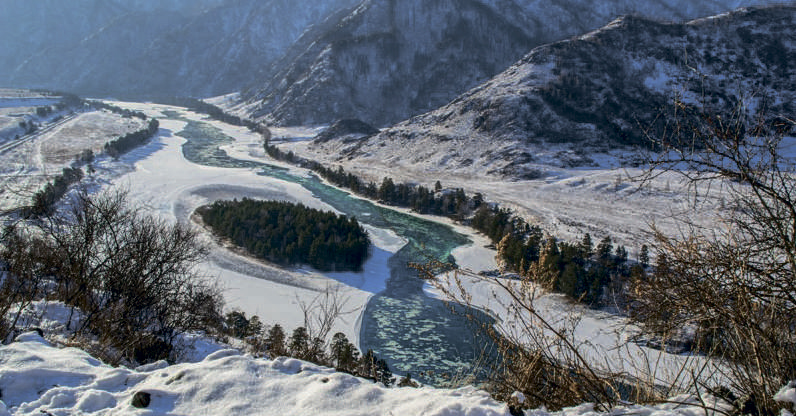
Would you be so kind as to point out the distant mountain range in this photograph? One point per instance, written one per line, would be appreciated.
(598, 91)
(379, 60)
(389, 60)
(149, 48)
(386, 60)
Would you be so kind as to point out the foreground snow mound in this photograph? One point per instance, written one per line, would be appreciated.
(37, 378)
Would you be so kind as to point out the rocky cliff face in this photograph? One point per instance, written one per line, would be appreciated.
(391, 60)
(386, 60)
(601, 91)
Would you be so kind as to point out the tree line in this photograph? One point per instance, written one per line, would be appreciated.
(338, 353)
(595, 277)
(101, 105)
(290, 234)
(130, 141)
(215, 113)
(43, 201)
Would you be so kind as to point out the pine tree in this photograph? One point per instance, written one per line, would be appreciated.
(387, 190)
(568, 282)
(621, 254)
(299, 342)
(255, 327)
(315, 353)
(276, 340)
(644, 256)
(586, 246)
(406, 381)
(344, 353)
(237, 324)
(367, 365)
(383, 373)
(604, 249)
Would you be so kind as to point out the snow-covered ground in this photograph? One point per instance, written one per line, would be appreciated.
(163, 182)
(159, 178)
(38, 378)
(28, 163)
(54, 377)
(604, 339)
(566, 202)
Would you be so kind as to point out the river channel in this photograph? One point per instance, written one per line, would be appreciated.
(412, 332)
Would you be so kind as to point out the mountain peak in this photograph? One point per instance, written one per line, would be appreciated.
(603, 90)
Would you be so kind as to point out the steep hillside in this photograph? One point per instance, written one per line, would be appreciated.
(553, 20)
(147, 48)
(599, 90)
(391, 60)
(222, 50)
(103, 62)
(387, 60)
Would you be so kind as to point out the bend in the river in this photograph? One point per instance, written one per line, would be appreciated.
(413, 332)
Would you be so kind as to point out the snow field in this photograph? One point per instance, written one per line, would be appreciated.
(38, 378)
(27, 167)
(603, 339)
(565, 202)
(277, 295)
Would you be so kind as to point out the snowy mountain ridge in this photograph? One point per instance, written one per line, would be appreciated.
(384, 61)
(388, 61)
(598, 91)
(146, 48)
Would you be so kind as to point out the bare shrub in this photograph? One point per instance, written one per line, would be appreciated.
(132, 275)
(735, 285)
(536, 356)
(20, 279)
(322, 312)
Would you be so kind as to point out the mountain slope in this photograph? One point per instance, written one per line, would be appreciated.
(222, 50)
(599, 90)
(387, 60)
(390, 60)
(148, 48)
(552, 20)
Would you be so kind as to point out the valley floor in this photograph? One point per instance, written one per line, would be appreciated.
(160, 180)
(565, 202)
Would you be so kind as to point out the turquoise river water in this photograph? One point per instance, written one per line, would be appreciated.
(412, 332)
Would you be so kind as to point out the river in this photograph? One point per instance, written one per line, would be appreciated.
(412, 332)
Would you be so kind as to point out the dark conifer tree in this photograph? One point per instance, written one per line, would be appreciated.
(299, 343)
(276, 340)
(644, 256)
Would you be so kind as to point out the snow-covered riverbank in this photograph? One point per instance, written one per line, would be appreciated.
(161, 181)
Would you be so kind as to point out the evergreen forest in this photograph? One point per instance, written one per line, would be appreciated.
(290, 234)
